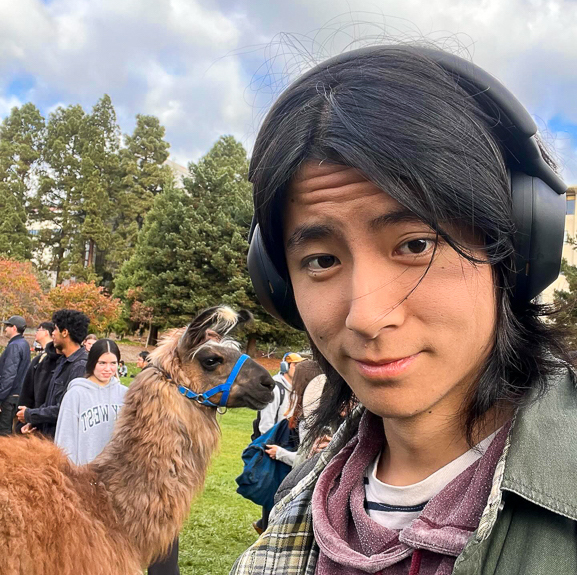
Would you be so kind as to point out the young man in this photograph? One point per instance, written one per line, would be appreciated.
(14, 363)
(70, 329)
(402, 199)
(44, 334)
(40, 372)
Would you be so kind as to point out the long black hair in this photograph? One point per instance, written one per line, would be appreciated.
(99, 348)
(409, 128)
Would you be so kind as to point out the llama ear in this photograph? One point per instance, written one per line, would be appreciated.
(213, 323)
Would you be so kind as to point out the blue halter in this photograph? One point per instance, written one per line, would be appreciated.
(204, 398)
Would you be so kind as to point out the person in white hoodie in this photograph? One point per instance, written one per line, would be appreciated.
(91, 405)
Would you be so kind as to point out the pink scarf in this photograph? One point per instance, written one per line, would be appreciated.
(351, 543)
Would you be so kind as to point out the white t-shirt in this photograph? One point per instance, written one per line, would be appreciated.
(395, 506)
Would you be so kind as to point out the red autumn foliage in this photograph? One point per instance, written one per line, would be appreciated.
(88, 298)
(20, 292)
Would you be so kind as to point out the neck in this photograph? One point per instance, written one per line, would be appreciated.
(68, 349)
(156, 462)
(419, 446)
(45, 342)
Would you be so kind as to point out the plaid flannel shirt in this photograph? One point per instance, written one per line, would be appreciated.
(534, 470)
(288, 545)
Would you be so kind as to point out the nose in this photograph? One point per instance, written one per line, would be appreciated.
(377, 300)
(266, 380)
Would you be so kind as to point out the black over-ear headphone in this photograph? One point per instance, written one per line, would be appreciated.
(538, 194)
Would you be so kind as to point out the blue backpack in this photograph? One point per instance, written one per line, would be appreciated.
(262, 475)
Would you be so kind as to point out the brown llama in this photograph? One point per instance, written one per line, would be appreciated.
(114, 516)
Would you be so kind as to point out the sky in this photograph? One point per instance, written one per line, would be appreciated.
(213, 67)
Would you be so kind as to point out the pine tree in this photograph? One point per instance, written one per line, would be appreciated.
(100, 184)
(59, 197)
(21, 143)
(144, 175)
(566, 304)
(191, 252)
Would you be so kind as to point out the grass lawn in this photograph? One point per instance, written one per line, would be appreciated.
(219, 527)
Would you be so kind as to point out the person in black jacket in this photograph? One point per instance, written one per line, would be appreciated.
(14, 363)
(40, 372)
(70, 331)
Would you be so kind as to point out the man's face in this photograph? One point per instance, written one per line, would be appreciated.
(407, 338)
(10, 330)
(292, 368)
(140, 363)
(41, 334)
(59, 338)
(88, 344)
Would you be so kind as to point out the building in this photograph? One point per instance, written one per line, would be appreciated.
(179, 172)
(569, 250)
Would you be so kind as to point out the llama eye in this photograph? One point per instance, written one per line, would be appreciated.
(211, 363)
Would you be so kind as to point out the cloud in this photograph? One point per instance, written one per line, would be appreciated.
(6, 104)
(212, 67)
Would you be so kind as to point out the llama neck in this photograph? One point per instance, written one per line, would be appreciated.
(156, 462)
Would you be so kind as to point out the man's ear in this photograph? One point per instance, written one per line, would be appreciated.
(64, 332)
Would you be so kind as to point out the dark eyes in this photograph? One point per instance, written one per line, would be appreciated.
(416, 247)
(321, 262)
(211, 363)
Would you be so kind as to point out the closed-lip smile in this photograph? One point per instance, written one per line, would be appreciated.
(385, 368)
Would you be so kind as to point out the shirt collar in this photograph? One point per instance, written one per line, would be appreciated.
(540, 465)
(74, 356)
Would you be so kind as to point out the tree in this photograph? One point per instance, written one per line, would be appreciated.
(20, 291)
(21, 143)
(100, 190)
(144, 176)
(59, 197)
(191, 252)
(88, 298)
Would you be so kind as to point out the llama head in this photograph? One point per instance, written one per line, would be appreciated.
(208, 356)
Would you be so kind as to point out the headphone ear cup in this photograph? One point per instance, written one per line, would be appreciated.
(539, 216)
(284, 367)
(272, 291)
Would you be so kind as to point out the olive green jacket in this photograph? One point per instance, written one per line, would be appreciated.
(528, 527)
(530, 523)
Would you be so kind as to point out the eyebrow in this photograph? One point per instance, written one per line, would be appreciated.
(394, 217)
(310, 232)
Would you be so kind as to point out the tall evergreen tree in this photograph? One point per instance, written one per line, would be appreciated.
(59, 198)
(144, 175)
(191, 252)
(100, 182)
(21, 141)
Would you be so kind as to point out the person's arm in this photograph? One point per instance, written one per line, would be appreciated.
(44, 413)
(27, 393)
(8, 375)
(66, 436)
(268, 414)
(285, 456)
(48, 413)
(26, 398)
